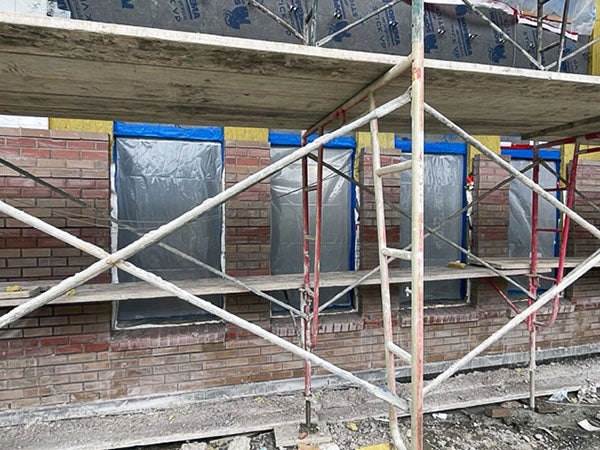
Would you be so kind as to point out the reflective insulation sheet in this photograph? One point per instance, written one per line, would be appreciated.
(157, 181)
(337, 249)
(444, 179)
(519, 226)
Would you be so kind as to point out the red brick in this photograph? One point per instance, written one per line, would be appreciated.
(11, 193)
(21, 242)
(21, 142)
(67, 349)
(51, 143)
(96, 347)
(82, 145)
(65, 154)
(94, 193)
(54, 341)
(35, 152)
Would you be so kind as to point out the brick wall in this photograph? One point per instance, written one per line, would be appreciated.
(69, 353)
(74, 162)
(247, 216)
(490, 215)
(581, 243)
(369, 255)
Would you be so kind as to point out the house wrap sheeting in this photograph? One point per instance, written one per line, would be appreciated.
(580, 16)
(453, 32)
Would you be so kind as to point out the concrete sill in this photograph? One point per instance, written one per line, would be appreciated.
(137, 339)
(442, 315)
(331, 323)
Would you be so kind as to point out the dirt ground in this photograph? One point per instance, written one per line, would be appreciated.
(352, 418)
(465, 429)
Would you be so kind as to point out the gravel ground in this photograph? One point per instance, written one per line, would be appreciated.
(466, 429)
(213, 423)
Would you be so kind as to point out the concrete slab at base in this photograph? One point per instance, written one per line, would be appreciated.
(289, 435)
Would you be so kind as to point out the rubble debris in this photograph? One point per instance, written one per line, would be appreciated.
(385, 446)
(352, 426)
(550, 433)
(545, 407)
(513, 404)
(195, 446)
(457, 265)
(562, 395)
(290, 435)
(497, 412)
(14, 288)
(239, 443)
(588, 393)
(302, 446)
(329, 446)
(587, 425)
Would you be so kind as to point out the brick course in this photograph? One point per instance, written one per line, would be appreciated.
(78, 164)
(247, 216)
(369, 254)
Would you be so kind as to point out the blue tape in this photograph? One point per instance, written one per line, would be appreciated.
(451, 148)
(294, 139)
(150, 130)
(552, 155)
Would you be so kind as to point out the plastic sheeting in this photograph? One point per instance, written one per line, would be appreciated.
(519, 227)
(444, 175)
(452, 31)
(29, 7)
(581, 15)
(157, 181)
(286, 220)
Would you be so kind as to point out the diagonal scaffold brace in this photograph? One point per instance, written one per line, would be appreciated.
(118, 258)
(547, 296)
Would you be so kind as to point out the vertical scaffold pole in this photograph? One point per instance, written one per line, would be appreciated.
(540, 31)
(310, 294)
(534, 279)
(563, 32)
(318, 240)
(306, 292)
(418, 220)
(386, 309)
(571, 184)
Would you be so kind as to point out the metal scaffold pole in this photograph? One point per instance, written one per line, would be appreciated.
(388, 332)
(550, 294)
(534, 279)
(306, 300)
(310, 293)
(540, 32)
(418, 221)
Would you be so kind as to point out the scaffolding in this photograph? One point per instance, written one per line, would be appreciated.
(412, 92)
